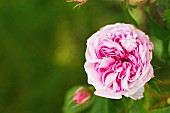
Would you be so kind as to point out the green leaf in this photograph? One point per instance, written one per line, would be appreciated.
(158, 31)
(166, 16)
(155, 26)
(164, 110)
(165, 53)
(163, 4)
(71, 107)
(156, 67)
(156, 80)
(101, 106)
(133, 6)
(138, 107)
(154, 86)
(127, 16)
(105, 105)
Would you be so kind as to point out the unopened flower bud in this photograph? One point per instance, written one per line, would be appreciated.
(136, 2)
(82, 95)
(80, 2)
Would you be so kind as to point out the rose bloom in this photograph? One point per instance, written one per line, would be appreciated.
(118, 61)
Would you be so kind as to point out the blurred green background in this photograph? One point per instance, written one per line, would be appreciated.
(42, 45)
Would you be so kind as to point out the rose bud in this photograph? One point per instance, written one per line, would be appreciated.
(118, 61)
(80, 2)
(82, 95)
(136, 2)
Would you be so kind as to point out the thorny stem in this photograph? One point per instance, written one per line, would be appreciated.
(163, 98)
(163, 101)
(164, 82)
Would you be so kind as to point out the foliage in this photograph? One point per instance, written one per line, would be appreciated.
(164, 110)
(154, 18)
(42, 44)
(153, 85)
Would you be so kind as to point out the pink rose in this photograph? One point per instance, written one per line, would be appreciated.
(118, 61)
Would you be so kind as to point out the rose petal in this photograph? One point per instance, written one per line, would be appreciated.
(124, 82)
(138, 94)
(107, 94)
(94, 80)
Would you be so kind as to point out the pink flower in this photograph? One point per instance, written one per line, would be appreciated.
(118, 61)
(80, 2)
(82, 95)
